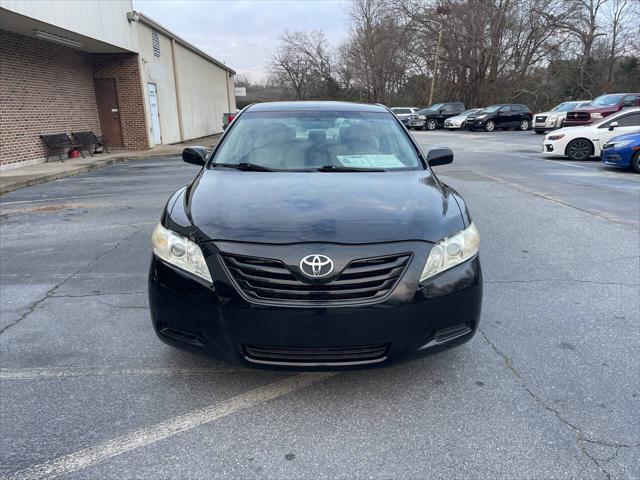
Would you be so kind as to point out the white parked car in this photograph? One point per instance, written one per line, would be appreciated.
(406, 115)
(555, 117)
(580, 143)
(459, 120)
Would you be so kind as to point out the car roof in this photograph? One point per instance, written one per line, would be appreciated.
(316, 106)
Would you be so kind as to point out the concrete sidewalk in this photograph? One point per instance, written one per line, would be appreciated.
(19, 177)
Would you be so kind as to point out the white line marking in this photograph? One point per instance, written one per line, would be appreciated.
(35, 200)
(89, 456)
(64, 372)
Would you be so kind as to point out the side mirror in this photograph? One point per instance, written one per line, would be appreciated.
(439, 156)
(195, 155)
(442, 110)
(612, 125)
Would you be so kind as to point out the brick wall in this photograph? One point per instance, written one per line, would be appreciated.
(44, 88)
(124, 68)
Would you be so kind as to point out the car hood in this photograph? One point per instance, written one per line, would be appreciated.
(290, 207)
(613, 108)
(634, 136)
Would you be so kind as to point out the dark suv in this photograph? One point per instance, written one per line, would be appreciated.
(503, 116)
(434, 116)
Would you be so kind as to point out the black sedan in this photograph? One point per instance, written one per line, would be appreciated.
(315, 236)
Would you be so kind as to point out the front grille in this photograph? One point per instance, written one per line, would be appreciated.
(364, 280)
(311, 355)
(541, 118)
(578, 116)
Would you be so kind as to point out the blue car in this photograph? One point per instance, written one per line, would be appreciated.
(623, 151)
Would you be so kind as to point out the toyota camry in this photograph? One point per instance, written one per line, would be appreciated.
(315, 235)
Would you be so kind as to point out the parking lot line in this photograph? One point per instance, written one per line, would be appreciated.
(52, 199)
(88, 456)
(62, 372)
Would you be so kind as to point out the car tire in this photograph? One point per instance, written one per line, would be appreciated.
(635, 162)
(579, 149)
(431, 125)
(490, 126)
(524, 125)
(540, 132)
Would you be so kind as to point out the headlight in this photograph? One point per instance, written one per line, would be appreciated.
(596, 115)
(555, 137)
(552, 118)
(179, 252)
(480, 117)
(452, 251)
(622, 143)
(422, 117)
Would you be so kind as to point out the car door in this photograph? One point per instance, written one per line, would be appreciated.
(629, 101)
(503, 117)
(626, 124)
(446, 112)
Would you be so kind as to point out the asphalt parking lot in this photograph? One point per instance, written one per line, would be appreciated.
(549, 387)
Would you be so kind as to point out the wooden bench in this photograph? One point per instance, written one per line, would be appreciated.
(57, 143)
(88, 141)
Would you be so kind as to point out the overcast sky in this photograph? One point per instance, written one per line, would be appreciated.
(244, 34)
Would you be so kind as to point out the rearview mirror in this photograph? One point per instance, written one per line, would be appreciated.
(195, 155)
(613, 125)
(439, 156)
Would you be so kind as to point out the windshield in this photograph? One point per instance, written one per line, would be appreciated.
(492, 108)
(309, 140)
(436, 107)
(606, 101)
(469, 112)
(566, 106)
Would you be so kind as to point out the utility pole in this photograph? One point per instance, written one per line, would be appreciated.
(435, 61)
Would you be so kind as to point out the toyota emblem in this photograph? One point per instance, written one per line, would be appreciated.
(316, 266)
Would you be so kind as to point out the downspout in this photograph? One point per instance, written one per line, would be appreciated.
(177, 85)
(228, 96)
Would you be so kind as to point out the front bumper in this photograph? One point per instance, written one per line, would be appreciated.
(620, 157)
(410, 322)
(553, 148)
(578, 123)
(409, 123)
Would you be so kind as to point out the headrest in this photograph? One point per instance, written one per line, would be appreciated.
(273, 133)
(317, 136)
(359, 135)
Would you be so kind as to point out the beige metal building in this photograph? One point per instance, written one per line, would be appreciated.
(73, 65)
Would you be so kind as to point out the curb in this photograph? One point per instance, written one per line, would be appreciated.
(74, 171)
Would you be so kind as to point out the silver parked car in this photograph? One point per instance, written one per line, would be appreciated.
(459, 121)
(555, 117)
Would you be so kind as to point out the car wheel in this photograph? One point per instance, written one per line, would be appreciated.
(635, 162)
(490, 126)
(579, 149)
(540, 132)
(524, 125)
(431, 125)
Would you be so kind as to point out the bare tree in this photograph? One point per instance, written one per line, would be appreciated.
(376, 50)
(291, 67)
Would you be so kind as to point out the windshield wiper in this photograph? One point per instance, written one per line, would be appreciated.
(340, 168)
(244, 166)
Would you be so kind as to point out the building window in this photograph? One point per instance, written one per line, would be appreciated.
(155, 40)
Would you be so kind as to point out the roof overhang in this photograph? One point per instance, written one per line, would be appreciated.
(30, 27)
(142, 18)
